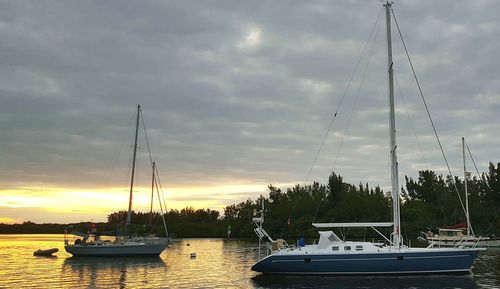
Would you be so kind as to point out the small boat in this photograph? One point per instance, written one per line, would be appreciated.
(47, 252)
(452, 237)
(460, 234)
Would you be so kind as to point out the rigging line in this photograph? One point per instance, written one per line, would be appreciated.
(157, 173)
(344, 95)
(404, 226)
(111, 167)
(161, 207)
(375, 24)
(149, 152)
(356, 100)
(480, 179)
(161, 189)
(411, 122)
(287, 221)
(428, 112)
(151, 160)
(474, 162)
(130, 156)
(147, 140)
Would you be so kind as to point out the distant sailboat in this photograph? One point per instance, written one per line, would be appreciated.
(454, 236)
(126, 244)
(331, 255)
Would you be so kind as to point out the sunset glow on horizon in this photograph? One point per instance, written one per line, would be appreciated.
(72, 205)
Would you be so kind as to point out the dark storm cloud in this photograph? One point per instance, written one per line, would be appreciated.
(236, 90)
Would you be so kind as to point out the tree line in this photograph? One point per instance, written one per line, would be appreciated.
(427, 202)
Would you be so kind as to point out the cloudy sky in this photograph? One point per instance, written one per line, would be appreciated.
(235, 95)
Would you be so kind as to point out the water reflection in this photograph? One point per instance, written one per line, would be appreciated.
(486, 269)
(46, 257)
(430, 282)
(218, 264)
(103, 263)
(118, 272)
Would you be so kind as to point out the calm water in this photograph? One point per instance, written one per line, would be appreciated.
(219, 264)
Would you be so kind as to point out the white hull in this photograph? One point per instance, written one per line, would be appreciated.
(129, 249)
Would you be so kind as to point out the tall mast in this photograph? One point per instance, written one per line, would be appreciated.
(466, 193)
(129, 214)
(392, 134)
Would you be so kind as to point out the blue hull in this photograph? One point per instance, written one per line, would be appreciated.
(444, 262)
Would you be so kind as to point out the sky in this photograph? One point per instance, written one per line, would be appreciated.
(235, 95)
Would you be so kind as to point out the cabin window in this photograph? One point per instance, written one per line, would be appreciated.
(335, 248)
(347, 248)
(359, 248)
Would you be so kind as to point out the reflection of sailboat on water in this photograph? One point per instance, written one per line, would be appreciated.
(97, 273)
(331, 255)
(125, 244)
(421, 281)
(112, 262)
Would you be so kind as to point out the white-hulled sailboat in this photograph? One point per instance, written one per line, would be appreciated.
(331, 255)
(125, 244)
(459, 234)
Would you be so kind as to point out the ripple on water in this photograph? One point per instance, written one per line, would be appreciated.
(218, 264)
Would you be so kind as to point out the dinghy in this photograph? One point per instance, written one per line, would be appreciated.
(47, 252)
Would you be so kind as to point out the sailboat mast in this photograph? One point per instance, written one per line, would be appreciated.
(466, 193)
(129, 214)
(392, 134)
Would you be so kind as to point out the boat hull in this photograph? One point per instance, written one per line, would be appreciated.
(48, 252)
(139, 250)
(390, 263)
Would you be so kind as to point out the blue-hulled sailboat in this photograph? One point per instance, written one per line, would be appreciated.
(331, 255)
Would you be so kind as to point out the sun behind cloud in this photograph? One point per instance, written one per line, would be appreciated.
(252, 39)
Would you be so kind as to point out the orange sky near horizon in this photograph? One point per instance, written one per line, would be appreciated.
(62, 205)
